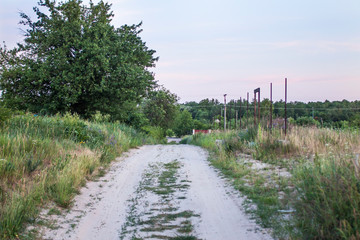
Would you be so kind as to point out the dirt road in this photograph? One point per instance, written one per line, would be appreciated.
(157, 192)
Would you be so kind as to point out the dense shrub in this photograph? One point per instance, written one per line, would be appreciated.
(155, 132)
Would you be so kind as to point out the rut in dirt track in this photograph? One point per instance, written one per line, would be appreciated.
(158, 192)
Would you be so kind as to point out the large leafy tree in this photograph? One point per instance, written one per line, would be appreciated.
(73, 59)
(160, 108)
(183, 123)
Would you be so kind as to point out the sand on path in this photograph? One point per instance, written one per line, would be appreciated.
(102, 209)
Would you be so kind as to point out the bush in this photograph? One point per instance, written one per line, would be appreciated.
(183, 124)
(170, 133)
(100, 118)
(156, 132)
(306, 121)
(199, 125)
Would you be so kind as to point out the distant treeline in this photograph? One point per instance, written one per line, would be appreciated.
(338, 114)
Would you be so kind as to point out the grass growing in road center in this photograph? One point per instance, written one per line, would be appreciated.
(155, 210)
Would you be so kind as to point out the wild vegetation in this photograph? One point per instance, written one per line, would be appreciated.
(47, 159)
(309, 187)
(83, 79)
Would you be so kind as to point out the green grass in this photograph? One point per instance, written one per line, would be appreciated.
(329, 199)
(47, 159)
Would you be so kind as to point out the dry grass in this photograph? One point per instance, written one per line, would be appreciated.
(324, 141)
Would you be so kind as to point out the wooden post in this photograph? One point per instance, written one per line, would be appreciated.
(240, 114)
(285, 105)
(254, 109)
(235, 117)
(229, 115)
(247, 111)
(224, 112)
(259, 105)
(255, 92)
(270, 106)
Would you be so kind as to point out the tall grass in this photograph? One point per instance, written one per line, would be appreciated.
(324, 190)
(324, 142)
(45, 159)
(328, 204)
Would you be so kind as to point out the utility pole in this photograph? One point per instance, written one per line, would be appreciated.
(270, 106)
(235, 116)
(255, 92)
(259, 105)
(254, 109)
(229, 127)
(225, 112)
(240, 114)
(285, 105)
(247, 111)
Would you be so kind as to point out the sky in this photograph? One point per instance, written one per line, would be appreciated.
(209, 48)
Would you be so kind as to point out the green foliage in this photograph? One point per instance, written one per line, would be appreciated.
(5, 114)
(306, 121)
(160, 108)
(170, 133)
(155, 132)
(137, 118)
(74, 60)
(325, 114)
(200, 125)
(329, 199)
(183, 123)
(100, 118)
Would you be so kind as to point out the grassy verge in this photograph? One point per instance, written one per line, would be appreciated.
(302, 186)
(45, 159)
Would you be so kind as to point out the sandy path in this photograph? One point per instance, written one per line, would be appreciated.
(104, 208)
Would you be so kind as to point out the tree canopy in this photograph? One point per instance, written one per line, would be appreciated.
(160, 108)
(74, 60)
